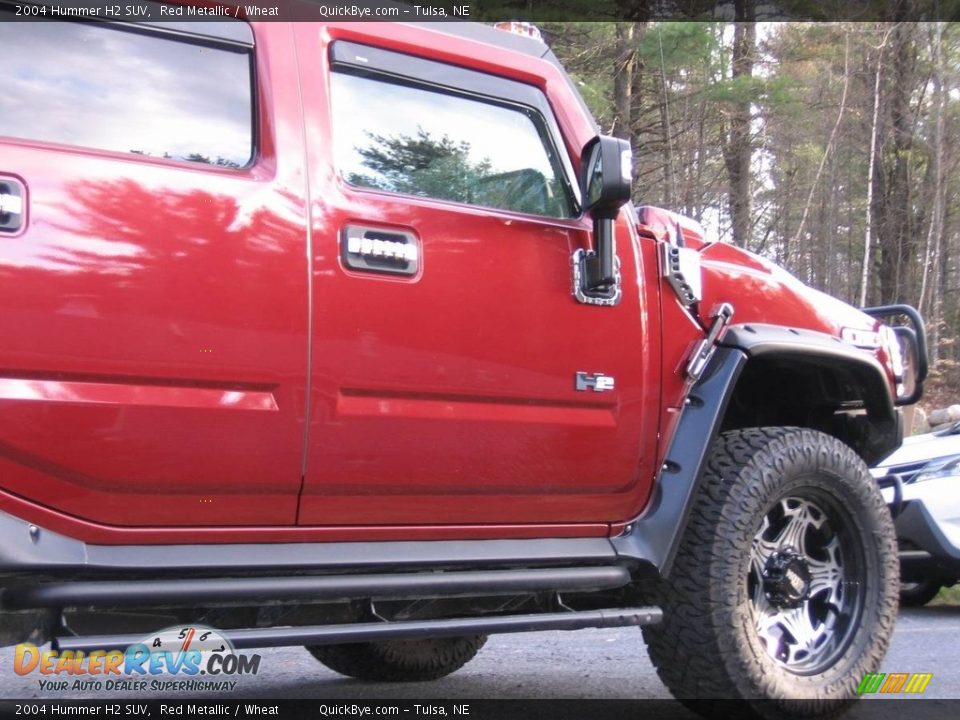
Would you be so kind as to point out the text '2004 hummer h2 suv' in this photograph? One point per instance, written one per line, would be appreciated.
(347, 336)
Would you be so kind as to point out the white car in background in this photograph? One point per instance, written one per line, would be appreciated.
(921, 482)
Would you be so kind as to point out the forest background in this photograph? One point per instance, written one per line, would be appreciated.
(830, 148)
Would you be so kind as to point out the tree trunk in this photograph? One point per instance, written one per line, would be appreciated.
(738, 152)
(833, 134)
(623, 80)
(669, 181)
(874, 131)
(896, 231)
(931, 265)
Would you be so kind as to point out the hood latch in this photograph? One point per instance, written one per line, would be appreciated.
(704, 349)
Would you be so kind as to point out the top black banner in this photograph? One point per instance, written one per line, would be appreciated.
(486, 10)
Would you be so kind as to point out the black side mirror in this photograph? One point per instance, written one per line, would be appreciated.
(606, 174)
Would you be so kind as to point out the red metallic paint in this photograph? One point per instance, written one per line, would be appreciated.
(159, 316)
(154, 353)
(101, 393)
(451, 398)
(764, 292)
(155, 383)
(100, 534)
(761, 291)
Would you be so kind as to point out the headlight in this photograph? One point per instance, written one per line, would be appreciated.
(899, 345)
(905, 350)
(941, 467)
(866, 339)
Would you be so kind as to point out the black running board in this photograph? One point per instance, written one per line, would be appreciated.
(378, 631)
(195, 591)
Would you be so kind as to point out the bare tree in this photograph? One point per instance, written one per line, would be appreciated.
(931, 264)
(865, 274)
(738, 148)
(623, 80)
(896, 229)
(833, 135)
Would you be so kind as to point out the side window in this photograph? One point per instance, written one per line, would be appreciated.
(99, 86)
(419, 140)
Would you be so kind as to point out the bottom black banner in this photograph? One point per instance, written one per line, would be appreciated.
(894, 709)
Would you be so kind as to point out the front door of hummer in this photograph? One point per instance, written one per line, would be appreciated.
(455, 378)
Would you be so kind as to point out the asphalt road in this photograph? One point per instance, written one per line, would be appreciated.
(582, 664)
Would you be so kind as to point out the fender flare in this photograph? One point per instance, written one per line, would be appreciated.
(654, 536)
(759, 340)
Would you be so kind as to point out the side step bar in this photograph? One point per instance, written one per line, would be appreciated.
(370, 632)
(312, 587)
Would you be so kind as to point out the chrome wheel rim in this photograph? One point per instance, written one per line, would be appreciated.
(803, 584)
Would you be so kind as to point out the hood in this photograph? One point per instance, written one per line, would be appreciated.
(763, 292)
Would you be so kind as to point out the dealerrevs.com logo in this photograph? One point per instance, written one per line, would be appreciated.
(189, 659)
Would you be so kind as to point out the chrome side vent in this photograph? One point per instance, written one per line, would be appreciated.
(681, 268)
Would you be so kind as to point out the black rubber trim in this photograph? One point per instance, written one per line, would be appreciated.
(122, 593)
(516, 43)
(370, 61)
(366, 59)
(896, 482)
(38, 549)
(243, 639)
(828, 351)
(655, 535)
(918, 566)
(759, 340)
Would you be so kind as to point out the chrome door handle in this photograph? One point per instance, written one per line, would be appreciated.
(378, 250)
(11, 205)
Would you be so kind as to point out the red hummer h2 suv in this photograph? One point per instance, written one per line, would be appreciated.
(348, 336)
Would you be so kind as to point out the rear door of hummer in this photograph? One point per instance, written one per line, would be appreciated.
(446, 340)
(153, 281)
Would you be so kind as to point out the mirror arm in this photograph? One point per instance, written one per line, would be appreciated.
(599, 267)
(604, 234)
(605, 173)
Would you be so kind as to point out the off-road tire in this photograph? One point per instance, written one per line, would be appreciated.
(400, 660)
(710, 644)
(918, 594)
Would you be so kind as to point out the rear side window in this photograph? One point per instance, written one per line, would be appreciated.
(98, 86)
(417, 140)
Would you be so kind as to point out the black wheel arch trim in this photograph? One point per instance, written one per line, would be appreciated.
(828, 350)
(654, 536)
(761, 341)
